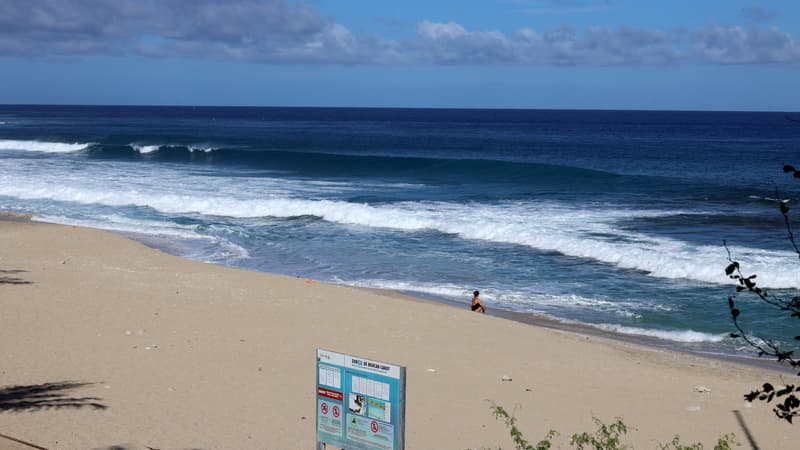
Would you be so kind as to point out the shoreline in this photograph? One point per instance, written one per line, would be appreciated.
(159, 351)
(528, 318)
(587, 330)
(531, 319)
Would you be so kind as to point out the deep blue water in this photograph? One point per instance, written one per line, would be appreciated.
(609, 218)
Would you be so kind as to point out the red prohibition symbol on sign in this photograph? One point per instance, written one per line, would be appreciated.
(335, 411)
(324, 408)
(374, 426)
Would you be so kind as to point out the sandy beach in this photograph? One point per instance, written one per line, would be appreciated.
(106, 343)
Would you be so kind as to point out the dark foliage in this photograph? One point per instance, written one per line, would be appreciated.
(788, 403)
(7, 277)
(122, 447)
(45, 396)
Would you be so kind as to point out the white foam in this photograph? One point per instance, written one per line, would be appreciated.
(688, 336)
(510, 299)
(535, 302)
(434, 289)
(151, 148)
(568, 231)
(125, 225)
(42, 146)
(201, 148)
(227, 250)
(583, 232)
(461, 292)
(145, 149)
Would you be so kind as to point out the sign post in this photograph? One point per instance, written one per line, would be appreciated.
(360, 403)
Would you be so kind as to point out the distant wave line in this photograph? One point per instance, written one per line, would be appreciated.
(43, 146)
(152, 148)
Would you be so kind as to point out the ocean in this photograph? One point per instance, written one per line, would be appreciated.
(609, 219)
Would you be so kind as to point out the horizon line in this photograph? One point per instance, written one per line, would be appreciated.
(452, 108)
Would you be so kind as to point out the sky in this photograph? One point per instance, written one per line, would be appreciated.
(541, 54)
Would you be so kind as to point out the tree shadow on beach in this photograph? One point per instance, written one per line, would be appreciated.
(122, 447)
(46, 396)
(747, 433)
(6, 277)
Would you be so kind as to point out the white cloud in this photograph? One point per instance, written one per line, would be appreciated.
(286, 31)
(734, 45)
(433, 31)
(452, 43)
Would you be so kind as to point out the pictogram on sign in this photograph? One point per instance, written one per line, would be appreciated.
(360, 402)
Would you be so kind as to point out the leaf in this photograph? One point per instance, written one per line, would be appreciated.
(736, 335)
(784, 391)
(787, 168)
(731, 267)
(784, 207)
(768, 387)
(735, 312)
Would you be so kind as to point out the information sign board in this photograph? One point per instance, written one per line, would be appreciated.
(360, 403)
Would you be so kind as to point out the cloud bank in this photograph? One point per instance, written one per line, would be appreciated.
(282, 31)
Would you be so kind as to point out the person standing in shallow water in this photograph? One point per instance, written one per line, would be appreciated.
(477, 304)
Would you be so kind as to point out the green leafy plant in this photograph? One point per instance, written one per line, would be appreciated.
(607, 437)
(726, 442)
(520, 442)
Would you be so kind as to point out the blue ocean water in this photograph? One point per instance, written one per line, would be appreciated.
(615, 219)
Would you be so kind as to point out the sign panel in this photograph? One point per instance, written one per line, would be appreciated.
(360, 403)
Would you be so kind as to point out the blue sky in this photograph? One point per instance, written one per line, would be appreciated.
(586, 54)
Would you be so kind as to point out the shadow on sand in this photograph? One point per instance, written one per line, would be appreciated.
(45, 396)
(7, 277)
(122, 447)
(749, 435)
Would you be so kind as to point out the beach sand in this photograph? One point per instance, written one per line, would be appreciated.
(106, 343)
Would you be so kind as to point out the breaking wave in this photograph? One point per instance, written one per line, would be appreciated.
(145, 149)
(42, 146)
(687, 336)
(544, 226)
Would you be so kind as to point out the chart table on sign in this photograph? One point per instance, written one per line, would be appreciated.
(360, 402)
